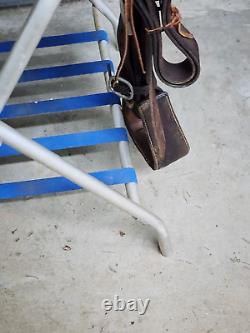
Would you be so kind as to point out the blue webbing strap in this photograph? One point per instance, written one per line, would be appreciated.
(75, 140)
(68, 39)
(56, 72)
(36, 187)
(58, 105)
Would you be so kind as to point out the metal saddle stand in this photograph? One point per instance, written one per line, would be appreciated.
(41, 149)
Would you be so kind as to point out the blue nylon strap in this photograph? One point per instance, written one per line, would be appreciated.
(75, 140)
(59, 105)
(68, 39)
(36, 187)
(46, 73)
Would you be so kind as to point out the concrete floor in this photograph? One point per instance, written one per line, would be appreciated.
(204, 286)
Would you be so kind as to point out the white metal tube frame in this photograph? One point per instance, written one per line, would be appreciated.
(131, 188)
(9, 76)
(107, 12)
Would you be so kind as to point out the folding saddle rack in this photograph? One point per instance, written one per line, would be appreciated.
(42, 149)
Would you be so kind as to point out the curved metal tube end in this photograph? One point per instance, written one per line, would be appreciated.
(164, 244)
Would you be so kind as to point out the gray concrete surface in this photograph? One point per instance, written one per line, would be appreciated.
(14, 3)
(204, 286)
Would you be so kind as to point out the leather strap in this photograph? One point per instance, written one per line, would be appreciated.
(148, 113)
(173, 74)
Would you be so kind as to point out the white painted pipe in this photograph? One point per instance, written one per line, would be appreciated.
(54, 162)
(24, 47)
(107, 12)
(131, 188)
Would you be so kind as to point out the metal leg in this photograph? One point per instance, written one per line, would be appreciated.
(25, 46)
(54, 162)
(100, 7)
(107, 12)
(131, 188)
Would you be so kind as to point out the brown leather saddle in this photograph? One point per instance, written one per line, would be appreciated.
(147, 111)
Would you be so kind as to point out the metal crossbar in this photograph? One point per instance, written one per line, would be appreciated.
(43, 150)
